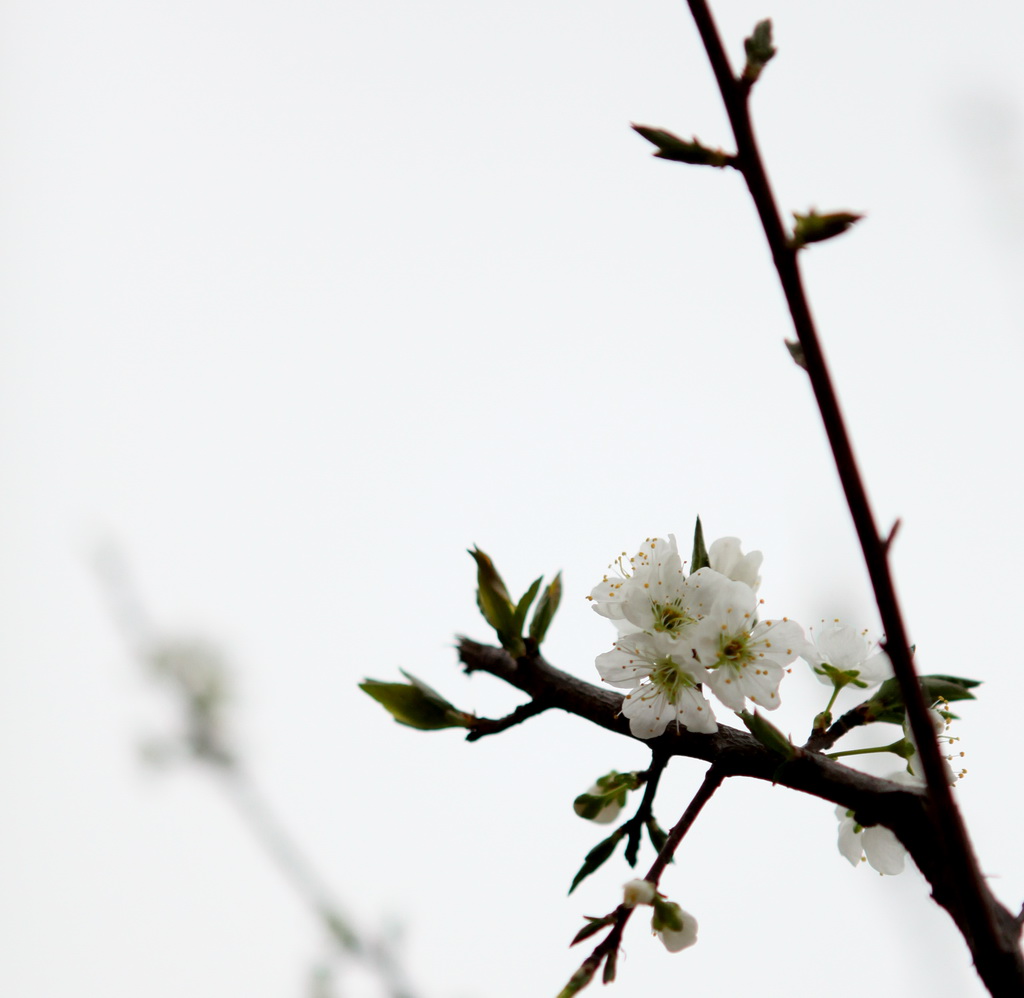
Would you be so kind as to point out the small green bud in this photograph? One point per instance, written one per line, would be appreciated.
(496, 605)
(759, 50)
(680, 151)
(814, 228)
(796, 351)
(767, 734)
(415, 704)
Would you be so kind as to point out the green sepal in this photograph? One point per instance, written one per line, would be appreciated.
(496, 605)
(593, 926)
(767, 734)
(815, 228)
(840, 677)
(547, 606)
(657, 835)
(614, 787)
(680, 151)
(699, 559)
(759, 49)
(523, 606)
(416, 705)
(596, 857)
(667, 915)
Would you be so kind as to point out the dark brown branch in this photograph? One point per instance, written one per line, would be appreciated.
(635, 825)
(712, 781)
(997, 956)
(484, 726)
(906, 810)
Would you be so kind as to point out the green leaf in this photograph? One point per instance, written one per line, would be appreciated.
(887, 702)
(699, 558)
(657, 835)
(679, 150)
(495, 603)
(593, 926)
(523, 606)
(596, 857)
(760, 50)
(815, 228)
(547, 606)
(412, 706)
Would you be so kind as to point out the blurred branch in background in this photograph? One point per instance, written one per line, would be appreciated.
(195, 673)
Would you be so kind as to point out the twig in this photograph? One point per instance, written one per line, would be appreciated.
(645, 811)
(484, 726)
(997, 957)
(609, 946)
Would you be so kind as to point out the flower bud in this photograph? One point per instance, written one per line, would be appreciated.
(638, 892)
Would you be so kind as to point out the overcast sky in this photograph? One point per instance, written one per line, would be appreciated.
(302, 300)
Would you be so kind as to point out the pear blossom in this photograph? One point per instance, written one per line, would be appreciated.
(638, 892)
(677, 929)
(652, 593)
(841, 648)
(876, 843)
(726, 557)
(664, 680)
(745, 658)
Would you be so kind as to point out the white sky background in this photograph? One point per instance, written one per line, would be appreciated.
(301, 300)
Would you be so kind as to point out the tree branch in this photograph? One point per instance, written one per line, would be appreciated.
(996, 956)
(908, 811)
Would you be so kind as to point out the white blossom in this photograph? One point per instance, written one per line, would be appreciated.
(674, 938)
(878, 844)
(663, 677)
(847, 650)
(638, 892)
(652, 593)
(745, 658)
(726, 557)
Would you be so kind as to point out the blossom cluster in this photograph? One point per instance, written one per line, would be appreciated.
(682, 634)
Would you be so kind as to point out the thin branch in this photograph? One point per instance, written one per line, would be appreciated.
(645, 811)
(484, 726)
(609, 946)
(205, 741)
(713, 779)
(998, 958)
